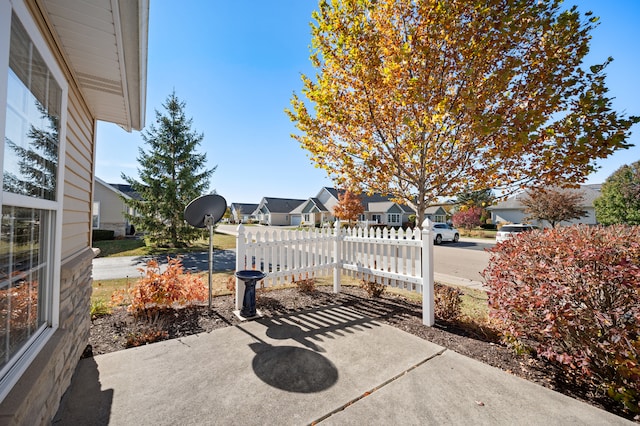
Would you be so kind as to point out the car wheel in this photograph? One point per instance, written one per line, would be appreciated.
(456, 238)
(438, 239)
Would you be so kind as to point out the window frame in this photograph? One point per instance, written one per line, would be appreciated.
(20, 361)
(393, 217)
(95, 213)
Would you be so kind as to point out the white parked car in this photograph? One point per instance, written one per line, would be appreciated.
(508, 231)
(444, 232)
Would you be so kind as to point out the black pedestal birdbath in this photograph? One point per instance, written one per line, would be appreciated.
(205, 212)
(250, 278)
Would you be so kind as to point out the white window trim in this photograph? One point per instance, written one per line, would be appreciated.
(93, 213)
(27, 354)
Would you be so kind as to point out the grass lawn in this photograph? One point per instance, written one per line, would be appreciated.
(130, 247)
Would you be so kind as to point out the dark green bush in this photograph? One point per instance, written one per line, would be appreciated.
(489, 226)
(103, 234)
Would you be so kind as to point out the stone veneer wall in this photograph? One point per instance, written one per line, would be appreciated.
(35, 398)
(117, 228)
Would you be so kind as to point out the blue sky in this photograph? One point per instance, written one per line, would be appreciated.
(236, 65)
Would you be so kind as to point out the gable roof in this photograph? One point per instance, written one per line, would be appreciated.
(279, 205)
(244, 207)
(375, 202)
(435, 210)
(111, 188)
(127, 190)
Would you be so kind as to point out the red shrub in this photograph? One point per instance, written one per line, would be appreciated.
(572, 294)
(161, 290)
(467, 219)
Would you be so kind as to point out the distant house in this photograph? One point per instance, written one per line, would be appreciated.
(109, 208)
(276, 211)
(64, 66)
(435, 214)
(242, 212)
(513, 211)
(378, 209)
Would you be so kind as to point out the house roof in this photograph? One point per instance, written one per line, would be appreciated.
(104, 46)
(589, 192)
(435, 210)
(244, 208)
(112, 188)
(127, 190)
(279, 205)
(372, 203)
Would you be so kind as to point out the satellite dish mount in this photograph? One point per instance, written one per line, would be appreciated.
(205, 212)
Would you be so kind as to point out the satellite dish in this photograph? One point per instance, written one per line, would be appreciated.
(211, 207)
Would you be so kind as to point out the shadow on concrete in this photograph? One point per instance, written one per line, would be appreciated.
(293, 369)
(73, 411)
(303, 369)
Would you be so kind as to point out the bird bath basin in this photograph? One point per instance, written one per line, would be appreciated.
(250, 278)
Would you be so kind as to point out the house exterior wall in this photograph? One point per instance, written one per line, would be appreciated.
(518, 216)
(35, 398)
(507, 216)
(112, 210)
(279, 219)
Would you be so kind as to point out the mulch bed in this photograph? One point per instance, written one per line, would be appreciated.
(110, 333)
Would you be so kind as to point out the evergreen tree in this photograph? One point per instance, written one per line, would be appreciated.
(171, 174)
(620, 199)
(37, 164)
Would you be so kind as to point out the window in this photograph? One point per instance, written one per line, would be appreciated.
(95, 215)
(393, 218)
(32, 121)
(375, 218)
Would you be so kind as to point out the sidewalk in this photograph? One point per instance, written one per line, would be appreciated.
(329, 365)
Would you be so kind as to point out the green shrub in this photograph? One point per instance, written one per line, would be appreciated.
(103, 235)
(99, 308)
(572, 295)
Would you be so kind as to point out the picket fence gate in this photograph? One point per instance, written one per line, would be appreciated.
(396, 258)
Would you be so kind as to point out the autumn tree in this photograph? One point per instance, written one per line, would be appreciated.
(349, 206)
(620, 199)
(171, 175)
(468, 218)
(426, 99)
(553, 205)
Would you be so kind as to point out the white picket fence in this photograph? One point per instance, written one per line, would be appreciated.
(402, 259)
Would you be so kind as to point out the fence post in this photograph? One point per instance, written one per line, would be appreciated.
(240, 264)
(337, 256)
(428, 314)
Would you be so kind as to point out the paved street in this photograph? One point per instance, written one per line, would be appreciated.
(107, 268)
